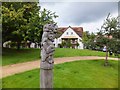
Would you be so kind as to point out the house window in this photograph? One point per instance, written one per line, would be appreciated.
(71, 33)
(67, 33)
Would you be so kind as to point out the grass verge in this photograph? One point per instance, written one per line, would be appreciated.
(77, 74)
(13, 56)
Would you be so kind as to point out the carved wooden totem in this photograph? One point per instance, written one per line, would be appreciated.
(47, 51)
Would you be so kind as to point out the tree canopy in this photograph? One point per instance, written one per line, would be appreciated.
(23, 21)
(109, 35)
(109, 32)
(88, 40)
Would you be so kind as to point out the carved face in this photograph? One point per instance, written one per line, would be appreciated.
(51, 30)
(51, 36)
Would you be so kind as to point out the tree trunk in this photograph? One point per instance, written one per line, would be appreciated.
(35, 46)
(2, 44)
(28, 44)
(106, 58)
(18, 45)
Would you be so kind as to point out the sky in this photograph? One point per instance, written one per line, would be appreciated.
(89, 15)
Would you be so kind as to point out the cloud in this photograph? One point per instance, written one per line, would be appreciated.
(79, 1)
(88, 12)
(80, 13)
(94, 26)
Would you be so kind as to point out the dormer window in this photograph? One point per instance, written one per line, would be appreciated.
(71, 33)
(67, 33)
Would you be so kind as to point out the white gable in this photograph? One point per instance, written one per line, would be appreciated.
(70, 33)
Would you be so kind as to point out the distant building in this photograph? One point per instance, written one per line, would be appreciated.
(74, 34)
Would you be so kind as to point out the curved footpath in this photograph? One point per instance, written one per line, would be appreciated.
(9, 70)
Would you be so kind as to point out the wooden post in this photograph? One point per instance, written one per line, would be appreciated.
(106, 58)
(47, 51)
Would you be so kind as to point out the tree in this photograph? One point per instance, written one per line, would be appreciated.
(63, 44)
(68, 44)
(107, 35)
(88, 40)
(77, 44)
(0, 24)
(34, 33)
(15, 20)
(23, 21)
(85, 38)
(86, 35)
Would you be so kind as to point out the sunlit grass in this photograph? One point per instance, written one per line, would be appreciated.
(78, 74)
(12, 56)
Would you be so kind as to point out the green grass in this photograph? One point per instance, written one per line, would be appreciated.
(12, 56)
(67, 52)
(78, 74)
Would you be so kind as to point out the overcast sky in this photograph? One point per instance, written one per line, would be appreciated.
(89, 15)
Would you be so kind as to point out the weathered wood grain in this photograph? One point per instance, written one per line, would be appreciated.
(47, 51)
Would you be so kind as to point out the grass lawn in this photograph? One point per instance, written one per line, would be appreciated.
(77, 74)
(12, 56)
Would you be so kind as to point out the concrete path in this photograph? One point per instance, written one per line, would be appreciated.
(22, 67)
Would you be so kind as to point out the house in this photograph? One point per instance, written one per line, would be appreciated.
(71, 34)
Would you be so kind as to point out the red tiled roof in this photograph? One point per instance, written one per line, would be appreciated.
(78, 30)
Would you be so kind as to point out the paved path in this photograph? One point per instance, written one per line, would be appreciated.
(22, 67)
